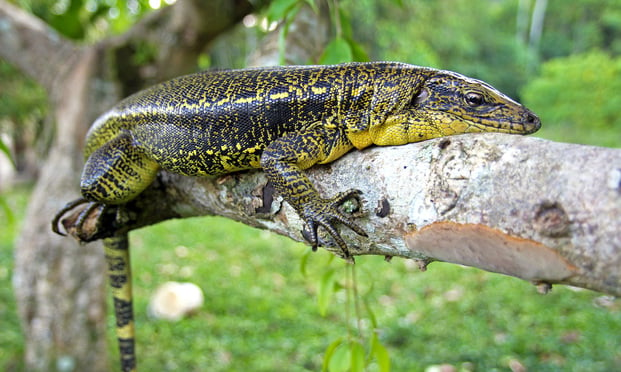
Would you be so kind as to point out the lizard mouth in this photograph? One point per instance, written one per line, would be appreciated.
(526, 123)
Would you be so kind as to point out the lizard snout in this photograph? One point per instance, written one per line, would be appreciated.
(532, 123)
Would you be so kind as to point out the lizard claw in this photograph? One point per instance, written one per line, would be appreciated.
(325, 213)
(76, 223)
(64, 210)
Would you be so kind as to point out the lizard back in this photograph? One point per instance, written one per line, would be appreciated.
(221, 121)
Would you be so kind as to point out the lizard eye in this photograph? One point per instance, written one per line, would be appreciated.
(420, 97)
(474, 99)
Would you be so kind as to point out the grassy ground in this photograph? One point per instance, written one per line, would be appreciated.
(261, 311)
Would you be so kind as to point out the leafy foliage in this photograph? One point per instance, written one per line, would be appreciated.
(342, 48)
(449, 34)
(89, 20)
(488, 40)
(578, 98)
(20, 98)
(6, 151)
(348, 353)
(23, 106)
(581, 27)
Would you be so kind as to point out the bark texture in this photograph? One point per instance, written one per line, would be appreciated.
(542, 211)
(60, 285)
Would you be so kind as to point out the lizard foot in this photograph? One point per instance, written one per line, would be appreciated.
(327, 212)
(78, 224)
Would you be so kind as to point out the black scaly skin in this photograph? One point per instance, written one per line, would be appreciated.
(281, 119)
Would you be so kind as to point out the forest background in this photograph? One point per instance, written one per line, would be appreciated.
(560, 59)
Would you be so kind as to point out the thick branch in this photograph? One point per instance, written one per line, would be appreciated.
(172, 39)
(305, 39)
(33, 46)
(542, 211)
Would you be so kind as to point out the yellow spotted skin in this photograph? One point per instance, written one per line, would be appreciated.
(283, 120)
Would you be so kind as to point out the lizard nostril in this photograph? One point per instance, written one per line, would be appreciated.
(531, 122)
(531, 118)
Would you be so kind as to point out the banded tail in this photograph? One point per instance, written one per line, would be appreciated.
(119, 272)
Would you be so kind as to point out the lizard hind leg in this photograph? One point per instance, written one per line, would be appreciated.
(119, 273)
(117, 171)
(84, 224)
(64, 210)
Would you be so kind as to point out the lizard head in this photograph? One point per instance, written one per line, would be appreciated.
(457, 104)
(448, 103)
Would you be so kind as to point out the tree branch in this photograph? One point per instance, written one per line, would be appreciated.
(543, 211)
(29, 43)
(306, 37)
(172, 38)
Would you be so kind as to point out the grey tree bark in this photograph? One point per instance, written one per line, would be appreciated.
(542, 211)
(60, 285)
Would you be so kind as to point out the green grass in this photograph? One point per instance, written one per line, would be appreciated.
(261, 312)
(12, 208)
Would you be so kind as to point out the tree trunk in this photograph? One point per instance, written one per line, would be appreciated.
(60, 285)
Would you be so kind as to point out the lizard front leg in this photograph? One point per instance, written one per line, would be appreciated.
(284, 161)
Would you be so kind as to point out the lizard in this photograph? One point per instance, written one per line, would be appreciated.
(282, 120)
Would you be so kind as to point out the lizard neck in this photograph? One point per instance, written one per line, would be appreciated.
(409, 127)
(396, 130)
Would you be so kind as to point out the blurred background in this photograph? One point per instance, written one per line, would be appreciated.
(261, 313)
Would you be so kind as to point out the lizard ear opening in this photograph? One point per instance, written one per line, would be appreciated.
(420, 97)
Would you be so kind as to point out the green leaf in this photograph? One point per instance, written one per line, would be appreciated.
(325, 291)
(279, 9)
(6, 209)
(329, 353)
(204, 61)
(313, 5)
(304, 263)
(346, 31)
(340, 360)
(337, 51)
(357, 357)
(359, 54)
(380, 353)
(282, 44)
(5, 149)
(370, 313)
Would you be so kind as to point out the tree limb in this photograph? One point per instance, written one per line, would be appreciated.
(306, 37)
(173, 38)
(543, 211)
(37, 49)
